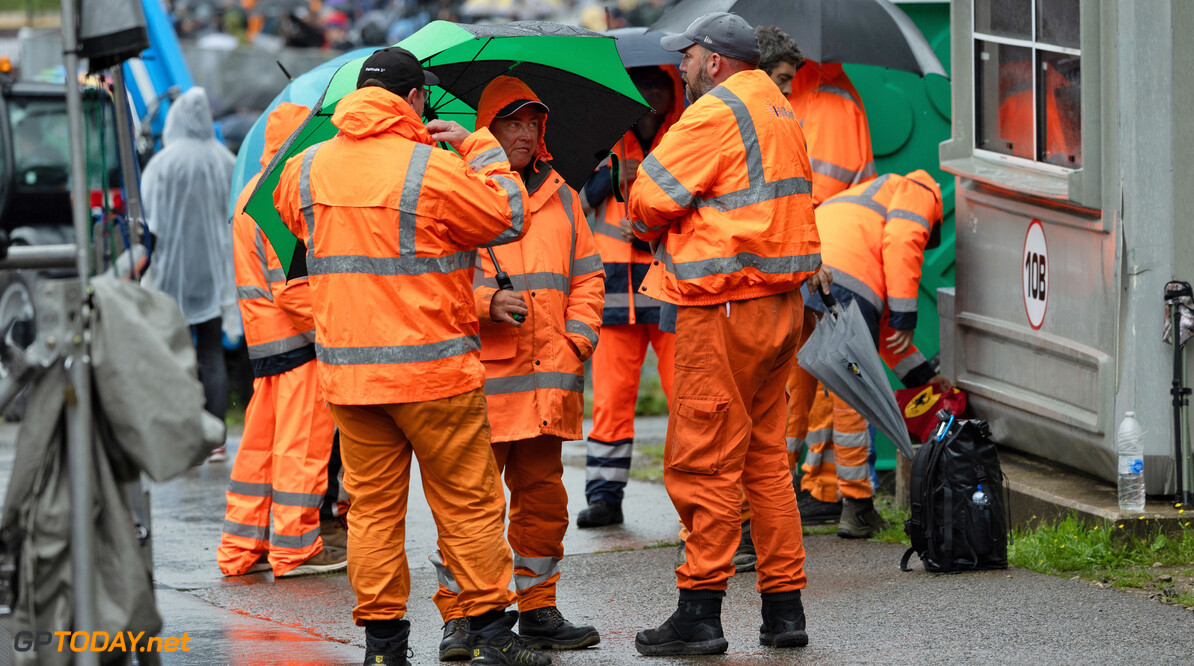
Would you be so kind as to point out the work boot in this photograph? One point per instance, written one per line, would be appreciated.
(385, 642)
(454, 646)
(695, 628)
(599, 514)
(546, 629)
(327, 560)
(783, 620)
(333, 535)
(745, 558)
(494, 642)
(860, 520)
(815, 512)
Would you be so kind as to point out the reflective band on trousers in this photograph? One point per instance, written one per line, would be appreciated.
(619, 474)
(852, 472)
(795, 444)
(600, 450)
(851, 439)
(819, 436)
(303, 500)
(267, 349)
(432, 351)
(250, 489)
(515, 199)
(542, 568)
(255, 532)
(443, 573)
(814, 458)
(305, 540)
(580, 328)
(535, 380)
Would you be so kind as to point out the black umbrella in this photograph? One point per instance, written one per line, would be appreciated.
(639, 47)
(863, 32)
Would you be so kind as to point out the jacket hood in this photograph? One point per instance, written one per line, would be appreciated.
(189, 117)
(922, 178)
(369, 111)
(505, 90)
(281, 123)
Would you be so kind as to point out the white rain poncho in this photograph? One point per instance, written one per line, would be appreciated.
(185, 189)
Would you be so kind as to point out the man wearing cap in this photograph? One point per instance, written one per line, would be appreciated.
(726, 198)
(535, 338)
(392, 226)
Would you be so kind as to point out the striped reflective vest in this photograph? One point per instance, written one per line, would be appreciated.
(392, 226)
(835, 126)
(873, 238)
(535, 373)
(727, 191)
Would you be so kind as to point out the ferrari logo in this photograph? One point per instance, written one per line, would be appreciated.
(378, 659)
(922, 403)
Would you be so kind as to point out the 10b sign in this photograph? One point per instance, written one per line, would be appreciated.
(1036, 274)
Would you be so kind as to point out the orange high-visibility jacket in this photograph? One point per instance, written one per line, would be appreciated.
(279, 330)
(839, 140)
(727, 191)
(626, 263)
(535, 374)
(873, 238)
(392, 225)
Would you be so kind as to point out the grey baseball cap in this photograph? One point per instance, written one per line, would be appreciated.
(720, 32)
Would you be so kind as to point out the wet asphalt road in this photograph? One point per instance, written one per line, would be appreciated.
(860, 607)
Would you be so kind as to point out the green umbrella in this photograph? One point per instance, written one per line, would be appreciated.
(576, 72)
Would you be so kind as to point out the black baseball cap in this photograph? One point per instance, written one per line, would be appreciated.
(720, 32)
(513, 107)
(398, 70)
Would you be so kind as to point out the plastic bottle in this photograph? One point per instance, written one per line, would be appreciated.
(980, 521)
(1129, 444)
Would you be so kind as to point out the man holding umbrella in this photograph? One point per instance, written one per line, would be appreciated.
(391, 225)
(726, 195)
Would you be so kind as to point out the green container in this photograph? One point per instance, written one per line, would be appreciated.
(909, 116)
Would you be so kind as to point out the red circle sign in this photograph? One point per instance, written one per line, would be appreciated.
(1035, 270)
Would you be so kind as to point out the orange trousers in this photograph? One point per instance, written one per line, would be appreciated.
(726, 435)
(280, 470)
(836, 437)
(450, 437)
(617, 368)
(534, 473)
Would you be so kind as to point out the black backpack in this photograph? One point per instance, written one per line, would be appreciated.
(950, 531)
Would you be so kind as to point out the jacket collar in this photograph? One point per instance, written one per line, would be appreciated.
(371, 111)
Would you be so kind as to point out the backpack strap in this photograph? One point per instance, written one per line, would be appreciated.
(904, 560)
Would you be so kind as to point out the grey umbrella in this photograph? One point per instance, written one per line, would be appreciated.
(639, 47)
(863, 32)
(841, 354)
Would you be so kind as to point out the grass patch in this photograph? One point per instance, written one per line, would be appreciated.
(1131, 579)
(1072, 546)
(648, 464)
(895, 522)
(1186, 599)
(651, 399)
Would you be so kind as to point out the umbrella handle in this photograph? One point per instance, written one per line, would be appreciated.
(828, 299)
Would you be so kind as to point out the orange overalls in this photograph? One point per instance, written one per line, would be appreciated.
(737, 238)
(281, 466)
(392, 225)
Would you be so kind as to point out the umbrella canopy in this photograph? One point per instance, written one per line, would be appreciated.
(639, 47)
(862, 32)
(575, 72)
(841, 354)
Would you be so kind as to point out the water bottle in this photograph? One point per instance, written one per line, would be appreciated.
(1129, 443)
(980, 521)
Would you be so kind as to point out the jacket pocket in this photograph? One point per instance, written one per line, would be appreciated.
(498, 347)
(696, 443)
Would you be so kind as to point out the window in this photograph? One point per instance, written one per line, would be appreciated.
(1028, 80)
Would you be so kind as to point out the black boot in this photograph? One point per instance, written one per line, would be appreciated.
(783, 620)
(546, 629)
(385, 642)
(695, 628)
(454, 646)
(815, 512)
(599, 514)
(494, 642)
(745, 557)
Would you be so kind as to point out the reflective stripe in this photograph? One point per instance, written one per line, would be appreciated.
(259, 243)
(841, 173)
(599, 450)
(619, 474)
(600, 226)
(756, 194)
(746, 129)
(543, 568)
(255, 532)
(446, 579)
(874, 187)
(305, 500)
(514, 197)
(868, 171)
(307, 200)
(249, 293)
(586, 265)
(819, 436)
(580, 328)
(860, 288)
(408, 204)
(901, 304)
(851, 439)
(431, 351)
(281, 346)
(275, 275)
(621, 299)
(491, 156)
(835, 90)
(390, 265)
(899, 214)
(643, 227)
(692, 270)
(670, 185)
(304, 540)
(865, 202)
(795, 444)
(909, 363)
(565, 195)
(852, 473)
(250, 489)
(536, 380)
(540, 280)
(480, 280)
